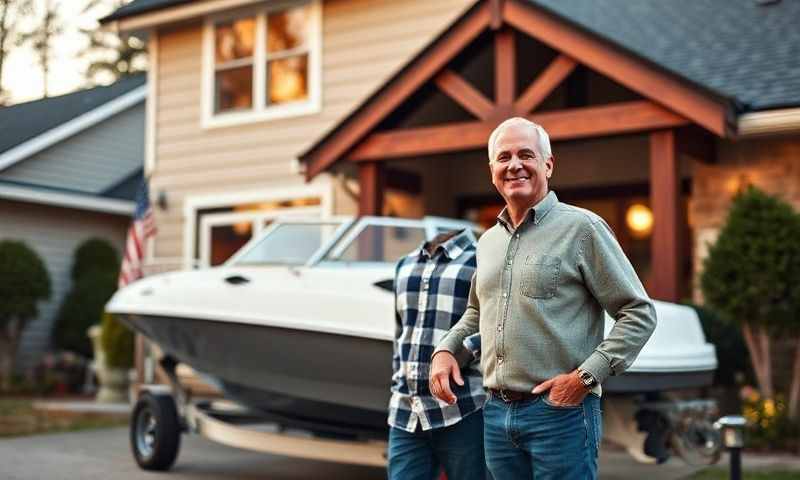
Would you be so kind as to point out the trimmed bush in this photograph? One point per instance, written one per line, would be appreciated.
(83, 307)
(24, 281)
(117, 342)
(95, 254)
(752, 272)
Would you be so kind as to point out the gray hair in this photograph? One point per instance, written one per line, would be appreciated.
(543, 147)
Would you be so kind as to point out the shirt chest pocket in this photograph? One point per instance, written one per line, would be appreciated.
(540, 276)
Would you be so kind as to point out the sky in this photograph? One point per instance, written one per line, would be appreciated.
(23, 77)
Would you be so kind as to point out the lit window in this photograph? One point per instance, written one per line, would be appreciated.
(263, 63)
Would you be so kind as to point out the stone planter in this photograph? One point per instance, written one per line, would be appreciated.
(113, 381)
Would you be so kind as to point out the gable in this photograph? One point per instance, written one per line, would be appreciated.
(667, 102)
(90, 161)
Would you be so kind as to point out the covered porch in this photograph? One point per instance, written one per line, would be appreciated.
(625, 133)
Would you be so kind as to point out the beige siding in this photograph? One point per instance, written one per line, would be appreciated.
(364, 43)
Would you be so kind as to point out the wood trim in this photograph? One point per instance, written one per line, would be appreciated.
(664, 200)
(618, 66)
(505, 70)
(420, 71)
(175, 14)
(469, 97)
(544, 84)
(615, 119)
(370, 180)
(497, 14)
(151, 105)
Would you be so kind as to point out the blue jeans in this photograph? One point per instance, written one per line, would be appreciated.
(534, 439)
(421, 455)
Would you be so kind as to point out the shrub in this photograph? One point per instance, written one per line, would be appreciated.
(95, 254)
(117, 342)
(751, 277)
(83, 307)
(24, 281)
(732, 358)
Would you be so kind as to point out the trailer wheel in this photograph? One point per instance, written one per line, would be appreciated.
(155, 431)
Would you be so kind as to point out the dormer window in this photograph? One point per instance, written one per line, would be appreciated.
(262, 64)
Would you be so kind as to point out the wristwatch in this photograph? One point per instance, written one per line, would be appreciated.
(588, 379)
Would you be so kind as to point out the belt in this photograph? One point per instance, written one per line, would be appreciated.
(509, 396)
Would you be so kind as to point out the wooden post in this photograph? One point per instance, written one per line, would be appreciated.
(370, 179)
(505, 74)
(665, 202)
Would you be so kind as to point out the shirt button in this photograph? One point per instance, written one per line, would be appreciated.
(499, 359)
(509, 262)
(499, 328)
(505, 294)
(516, 235)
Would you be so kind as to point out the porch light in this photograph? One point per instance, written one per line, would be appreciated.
(639, 219)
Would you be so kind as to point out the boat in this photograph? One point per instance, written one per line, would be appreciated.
(298, 325)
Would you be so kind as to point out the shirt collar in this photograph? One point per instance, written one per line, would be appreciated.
(452, 248)
(536, 212)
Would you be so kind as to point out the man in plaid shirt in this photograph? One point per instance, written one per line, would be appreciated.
(431, 292)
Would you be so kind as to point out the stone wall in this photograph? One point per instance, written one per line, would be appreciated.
(771, 164)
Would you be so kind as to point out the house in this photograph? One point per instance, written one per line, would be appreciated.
(659, 111)
(69, 169)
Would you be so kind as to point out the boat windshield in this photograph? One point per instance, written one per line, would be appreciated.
(289, 244)
(378, 243)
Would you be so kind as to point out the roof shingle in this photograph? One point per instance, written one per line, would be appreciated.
(736, 48)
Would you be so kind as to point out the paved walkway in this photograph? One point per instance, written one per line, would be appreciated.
(103, 454)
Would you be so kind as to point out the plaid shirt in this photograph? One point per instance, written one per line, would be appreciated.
(431, 294)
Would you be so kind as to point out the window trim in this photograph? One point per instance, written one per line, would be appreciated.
(261, 111)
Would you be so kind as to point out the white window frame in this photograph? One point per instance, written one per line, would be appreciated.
(261, 111)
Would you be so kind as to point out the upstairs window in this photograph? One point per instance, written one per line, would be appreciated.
(262, 64)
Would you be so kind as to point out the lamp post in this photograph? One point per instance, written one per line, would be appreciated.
(731, 428)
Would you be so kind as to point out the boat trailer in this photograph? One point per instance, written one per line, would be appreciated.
(162, 413)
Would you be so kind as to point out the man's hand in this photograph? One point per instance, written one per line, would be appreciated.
(566, 389)
(444, 365)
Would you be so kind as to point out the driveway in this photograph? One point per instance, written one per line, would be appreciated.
(103, 454)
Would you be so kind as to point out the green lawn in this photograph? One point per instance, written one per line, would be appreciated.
(722, 474)
(18, 417)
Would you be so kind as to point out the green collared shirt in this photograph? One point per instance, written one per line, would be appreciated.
(538, 296)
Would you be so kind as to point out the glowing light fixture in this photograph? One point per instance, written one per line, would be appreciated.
(639, 219)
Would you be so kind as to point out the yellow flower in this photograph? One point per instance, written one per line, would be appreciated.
(769, 407)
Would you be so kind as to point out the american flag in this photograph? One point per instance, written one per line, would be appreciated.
(142, 227)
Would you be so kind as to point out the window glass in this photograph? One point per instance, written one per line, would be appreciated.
(380, 243)
(234, 89)
(283, 53)
(288, 79)
(287, 29)
(227, 240)
(234, 40)
(289, 244)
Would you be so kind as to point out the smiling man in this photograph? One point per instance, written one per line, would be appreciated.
(545, 274)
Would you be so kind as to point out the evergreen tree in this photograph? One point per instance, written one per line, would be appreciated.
(751, 276)
(111, 56)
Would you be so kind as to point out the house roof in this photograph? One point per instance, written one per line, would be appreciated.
(137, 7)
(741, 49)
(31, 127)
(25, 121)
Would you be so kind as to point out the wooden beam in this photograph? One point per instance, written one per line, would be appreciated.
(419, 71)
(665, 202)
(497, 14)
(469, 97)
(621, 67)
(505, 69)
(544, 84)
(614, 119)
(370, 181)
